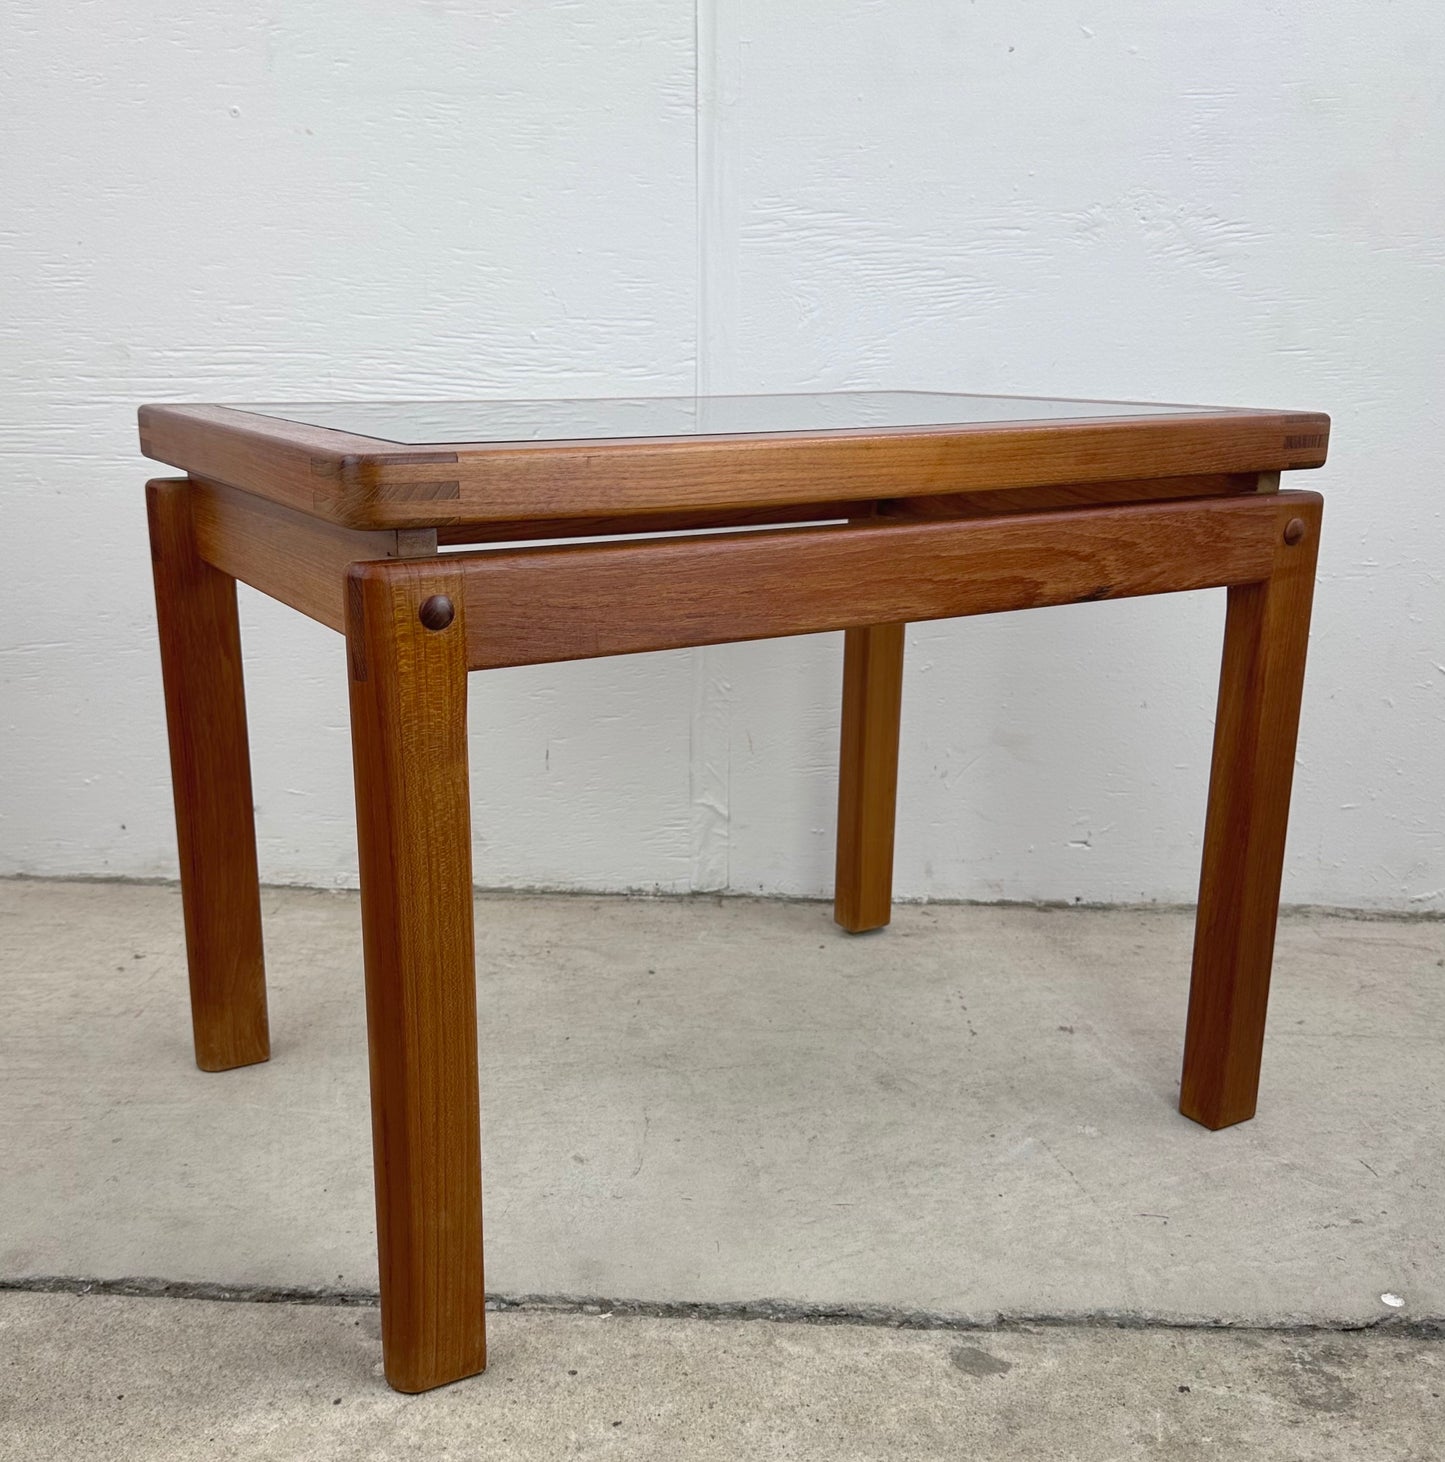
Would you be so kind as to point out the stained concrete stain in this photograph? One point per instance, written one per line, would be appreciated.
(1312, 1378)
(975, 1362)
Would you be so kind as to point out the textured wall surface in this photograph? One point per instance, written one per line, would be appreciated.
(1126, 200)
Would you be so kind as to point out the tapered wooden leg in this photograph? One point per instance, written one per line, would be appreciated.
(200, 642)
(868, 776)
(1265, 637)
(407, 651)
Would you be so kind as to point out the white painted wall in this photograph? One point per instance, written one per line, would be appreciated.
(1131, 200)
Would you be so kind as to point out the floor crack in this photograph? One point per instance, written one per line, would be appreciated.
(776, 1311)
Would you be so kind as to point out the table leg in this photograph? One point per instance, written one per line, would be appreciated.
(407, 651)
(200, 641)
(1265, 638)
(868, 775)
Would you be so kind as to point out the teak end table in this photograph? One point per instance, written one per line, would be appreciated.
(879, 508)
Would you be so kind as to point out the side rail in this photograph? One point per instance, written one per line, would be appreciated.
(533, 605)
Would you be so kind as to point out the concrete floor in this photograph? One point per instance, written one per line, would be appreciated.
(966, 1118)
(148, 1379)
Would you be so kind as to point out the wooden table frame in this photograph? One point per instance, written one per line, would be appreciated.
(418, 621)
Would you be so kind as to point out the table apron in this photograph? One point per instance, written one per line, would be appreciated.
(538, 605)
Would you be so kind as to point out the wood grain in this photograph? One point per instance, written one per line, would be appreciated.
(366, 483)
(530, 605)
(1265, 639)
(941, 505)
(409, 739)
(868, 775)
(200, 643)
(633, 524)
(294, 557)
(303, 467)
(1077, 495)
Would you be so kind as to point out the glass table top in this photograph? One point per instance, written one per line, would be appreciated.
(416, 423)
